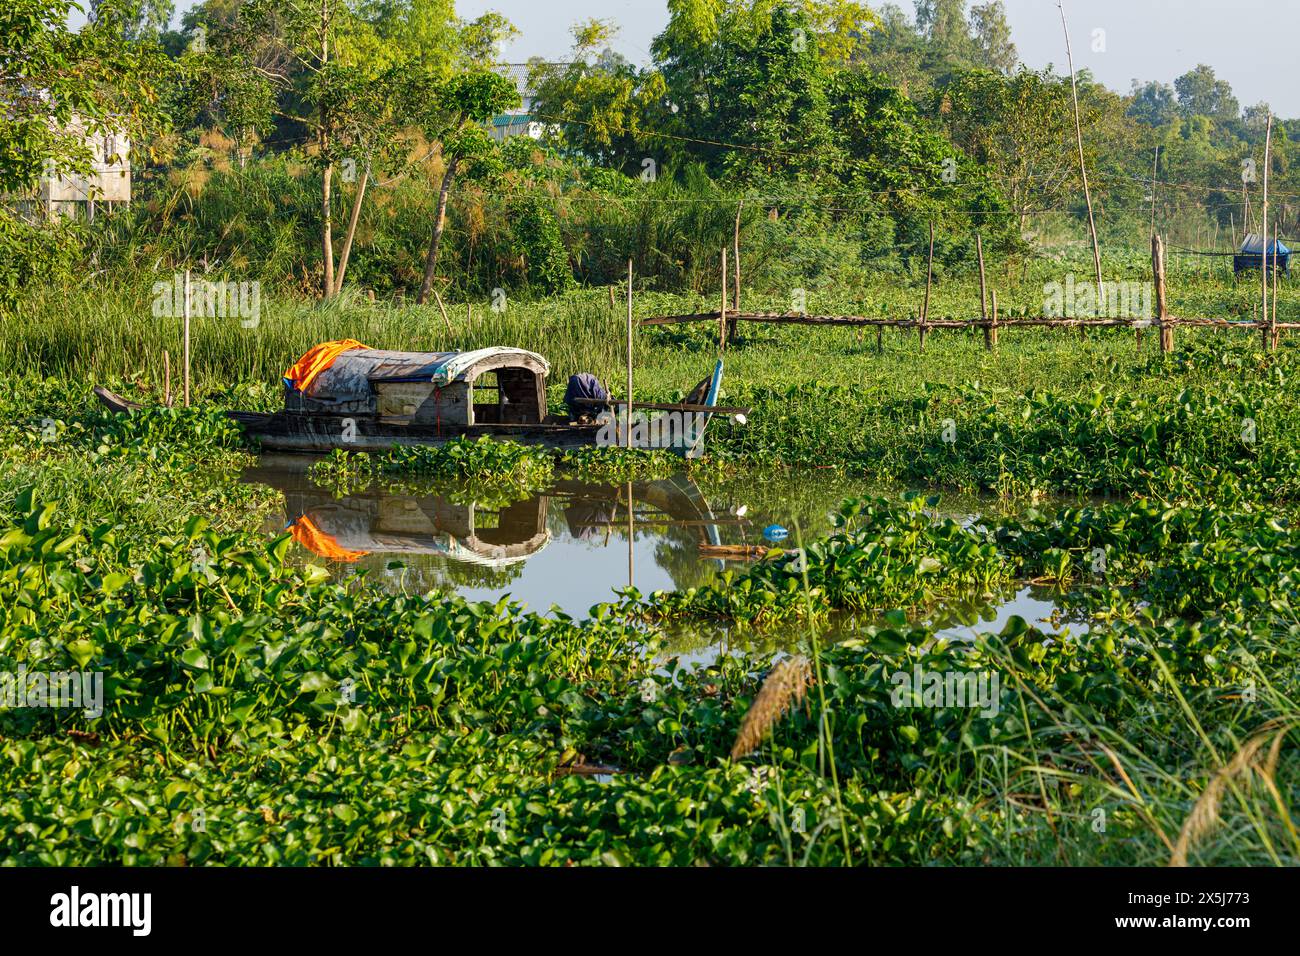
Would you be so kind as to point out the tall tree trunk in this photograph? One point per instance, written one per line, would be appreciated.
(431, 260)
(327, 229)
(352, 229)
(327, 223)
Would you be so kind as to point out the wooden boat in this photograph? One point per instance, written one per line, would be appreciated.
(373, 399)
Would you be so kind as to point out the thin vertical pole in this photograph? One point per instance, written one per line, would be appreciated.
(186, 336)
(631, 535)
(1083, 168)
(722, 314)
(993, 329)
(1268, 147)
(1155, 165)
(627, 438)
(1162, 307)
(1272, 322)
(984, 307)
(167, 378)
(929, 276)
(735, 251)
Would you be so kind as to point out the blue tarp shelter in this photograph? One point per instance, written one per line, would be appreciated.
(1251, 254)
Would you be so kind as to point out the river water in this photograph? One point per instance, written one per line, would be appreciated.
(577, 543)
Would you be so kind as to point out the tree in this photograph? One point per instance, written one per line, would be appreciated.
(604, 107)
(57, 88)
(1153, 104)
(453, 117)
(224, 84)
(993, 37)
(1019, 128)
(943, 23)
(147, 19)
(1200, 93)
(895, 49)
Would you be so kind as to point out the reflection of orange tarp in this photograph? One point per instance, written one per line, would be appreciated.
(316, 360)
(312, 538)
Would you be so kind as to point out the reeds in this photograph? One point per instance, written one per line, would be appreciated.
(1250, 760)
(785, 686)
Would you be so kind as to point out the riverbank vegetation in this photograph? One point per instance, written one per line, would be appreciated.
(817, 707)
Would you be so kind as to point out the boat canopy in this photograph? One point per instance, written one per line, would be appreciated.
(354, 372)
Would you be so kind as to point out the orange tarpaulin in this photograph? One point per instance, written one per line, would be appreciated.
(316, 360)
(315, 540)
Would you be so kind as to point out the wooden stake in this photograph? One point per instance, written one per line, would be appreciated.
(1155, 165)
(929, 276)
(992, 336)
(437, 298)
(722, 315)
(735, 265)
(186, 336)
(1272, 322)
(627, 438)
(611, 297)
(631, 534)
(167, 378)
(1162, 307)
(984, 307)
(1267, 330)
(1083, 168)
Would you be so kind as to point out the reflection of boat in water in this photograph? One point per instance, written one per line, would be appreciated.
(375, 521)
(675, 502)
(380, 521)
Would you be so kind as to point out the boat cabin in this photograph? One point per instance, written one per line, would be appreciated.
(492, 386)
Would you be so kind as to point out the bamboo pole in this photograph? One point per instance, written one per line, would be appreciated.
(437, 298)
(1162, 307)
(1264, 324)
(984, 307)
(991, 334)
(1272, 322)
(1155, 166)
(722, 315)
(186, 337)
(735, 266)
(929, 276)
(167, 378)
(631, 534)
(735, 249)
(1078, 135)
(627, 438)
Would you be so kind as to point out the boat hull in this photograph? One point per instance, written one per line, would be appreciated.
(295, 432)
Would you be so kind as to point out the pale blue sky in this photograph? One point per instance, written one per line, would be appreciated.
(1250, 43)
